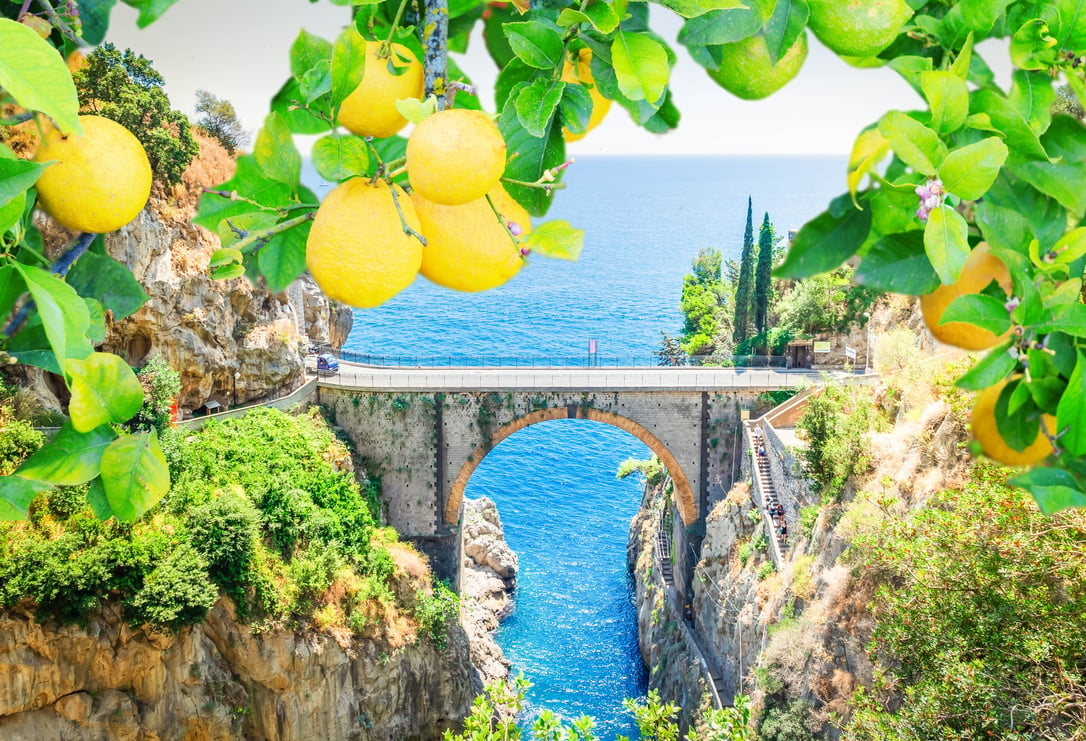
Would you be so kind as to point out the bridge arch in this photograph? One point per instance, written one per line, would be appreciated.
(685, 499)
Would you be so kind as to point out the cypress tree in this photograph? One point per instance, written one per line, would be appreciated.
(762, 276)
(746, 272)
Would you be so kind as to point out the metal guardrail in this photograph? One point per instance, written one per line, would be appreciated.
(557, 361)
(760, 499)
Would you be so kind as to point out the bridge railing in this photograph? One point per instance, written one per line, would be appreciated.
(558, 361)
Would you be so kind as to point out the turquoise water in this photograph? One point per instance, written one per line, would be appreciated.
(573, 632)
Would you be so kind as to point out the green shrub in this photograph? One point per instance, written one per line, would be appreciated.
(435, 612)
(18, 440)
(788, 723)
(224, 531)
(760, 541)
(744, 553)
(311, 572)
(766, 569)
(161, 385)
(808, 516)
(175, 593)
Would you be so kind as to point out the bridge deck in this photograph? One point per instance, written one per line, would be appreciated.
(565, 379)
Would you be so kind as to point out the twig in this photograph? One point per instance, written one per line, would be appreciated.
(263, 235)
(505, 225)
(60, 24)
(436, 31)
(456, 86)
(234, 196)
(403, 222)
(386, 47)
(542, 186)
(23, 10)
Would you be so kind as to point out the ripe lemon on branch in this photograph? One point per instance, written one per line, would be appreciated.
(581, 74)
(469, 247)
(747, 71)
(980, 269)
(985, 432)
(455, 156)
(99, 181)
(857, 28)
(371, 109)
(357, 249)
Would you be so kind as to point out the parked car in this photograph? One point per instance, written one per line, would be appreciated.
(327, 364)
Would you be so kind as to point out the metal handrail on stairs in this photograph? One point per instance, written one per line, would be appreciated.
(762, 500)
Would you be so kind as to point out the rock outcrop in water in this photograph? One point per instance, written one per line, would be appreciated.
(488, 577)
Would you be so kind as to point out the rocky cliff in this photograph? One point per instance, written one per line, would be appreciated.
(220, 680)
(223, 337)
(488, 577)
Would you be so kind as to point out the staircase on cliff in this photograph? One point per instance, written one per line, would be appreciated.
(765, 481)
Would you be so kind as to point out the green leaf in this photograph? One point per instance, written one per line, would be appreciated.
(306, 52)
(897, 263)
(1020, 429)
(948, 98)
(95, 17)
(31, 346)
(534, 156)
(911, 68)
(536, 44)
(348, 65)
(984, 311)
(16, 177)
(236, 228)
(225, 256)
(600, 15)
(69, 459)
(104, 390)
(1006, 118)
(1052, 489)
(575, 108)
(134, 475)
(722, 26)
(990, 370)
(337, 157)
(870, 148)
(415, 110)
(555, 239)
(96, 331)
(914, 143)
(641, 66)
(103, 278)
(1032, 95)
(282, 259)
(250, 182)
(150, 10)
(1071, 246)
(1071, 413)
(537, 103)
(11, 288)
(12, 212)
(275, 152)
(969, 172)
(228, 272)
(946, 240)
(316, 83)
(36, 77)
(785, 26)
(60, 308)
(694, 8)
(300, 120)
(827, 240)
(16, 494)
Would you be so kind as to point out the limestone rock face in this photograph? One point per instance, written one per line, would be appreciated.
(488, 577)
(221, 336)
(218, 680)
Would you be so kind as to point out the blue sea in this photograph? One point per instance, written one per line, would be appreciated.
(573, 632)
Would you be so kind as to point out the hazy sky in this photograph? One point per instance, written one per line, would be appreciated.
(239, 50)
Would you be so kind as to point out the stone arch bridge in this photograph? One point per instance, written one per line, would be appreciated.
(427, 429)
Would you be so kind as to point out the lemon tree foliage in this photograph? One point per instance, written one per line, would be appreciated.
(977, 161)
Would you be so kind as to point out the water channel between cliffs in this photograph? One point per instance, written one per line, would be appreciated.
(573, 631)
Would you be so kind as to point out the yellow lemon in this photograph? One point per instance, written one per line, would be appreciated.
(455, 156)
(857, 28)
(581, 73)
(747, 71)
(371, 109)
(467, 247)
(357, 249)
(99, 181)
(980, 269)
(995, 447)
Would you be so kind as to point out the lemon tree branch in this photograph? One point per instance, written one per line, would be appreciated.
(436, 38)
(403, 222)
(263, 235)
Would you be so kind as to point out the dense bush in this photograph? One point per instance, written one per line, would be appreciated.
(161, 385)
(434, 613)
(981, 619)
(177, 592)
(834, 427)
(263, 507)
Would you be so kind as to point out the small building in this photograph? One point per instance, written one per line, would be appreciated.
(798, 354)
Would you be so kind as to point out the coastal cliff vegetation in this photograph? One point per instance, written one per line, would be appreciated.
(266, 509)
